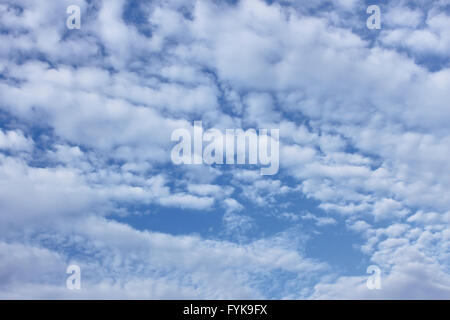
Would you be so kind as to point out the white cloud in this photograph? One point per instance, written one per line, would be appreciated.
(203, 268)
(187, 201)
(402, 17)
(15, 141)
(364, 131)
(319, 221)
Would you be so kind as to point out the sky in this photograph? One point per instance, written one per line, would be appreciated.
(87, 178)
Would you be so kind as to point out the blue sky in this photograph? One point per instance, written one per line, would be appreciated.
(86, 175)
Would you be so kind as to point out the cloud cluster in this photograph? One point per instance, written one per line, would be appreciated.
(85, 123)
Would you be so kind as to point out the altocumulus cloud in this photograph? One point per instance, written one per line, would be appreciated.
(86, 176)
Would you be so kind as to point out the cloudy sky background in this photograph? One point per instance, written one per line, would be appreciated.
(86, 176)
